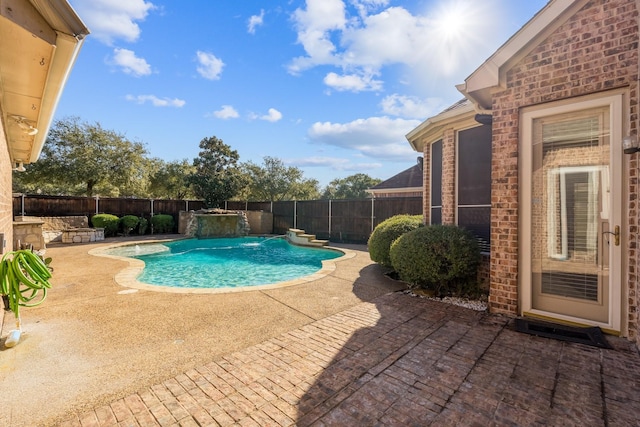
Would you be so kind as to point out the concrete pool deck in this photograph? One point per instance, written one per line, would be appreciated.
(342, 350)
(93, 340)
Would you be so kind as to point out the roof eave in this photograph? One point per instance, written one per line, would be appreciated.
(31, 87)
(64, 57)
(489, 77)
(435, 123)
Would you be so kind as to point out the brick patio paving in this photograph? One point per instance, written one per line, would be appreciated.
(397, 361)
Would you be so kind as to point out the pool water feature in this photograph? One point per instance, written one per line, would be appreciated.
(224, 262)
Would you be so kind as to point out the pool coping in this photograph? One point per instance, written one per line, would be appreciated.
(127, 277)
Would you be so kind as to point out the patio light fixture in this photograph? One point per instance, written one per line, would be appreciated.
(630, 144)
(19, 166)
(24, 125)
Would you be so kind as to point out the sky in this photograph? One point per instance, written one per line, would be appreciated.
(329, 86)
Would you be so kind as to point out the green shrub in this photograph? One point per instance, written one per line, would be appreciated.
(128, 223)
(109, 222)
(440, 258)
(387, 232)
(143, 224)
(162, 223)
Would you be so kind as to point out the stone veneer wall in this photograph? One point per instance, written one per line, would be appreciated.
(6, 199)
(595, 51)
(53, 226)
(28, 233)
(82, 235)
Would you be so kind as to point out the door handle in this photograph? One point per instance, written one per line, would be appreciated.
(616, 235)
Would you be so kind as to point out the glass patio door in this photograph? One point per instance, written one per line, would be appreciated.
(573, 236)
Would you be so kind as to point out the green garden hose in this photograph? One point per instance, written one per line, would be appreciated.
(24, 280)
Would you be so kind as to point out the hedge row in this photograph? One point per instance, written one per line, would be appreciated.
(129, 224)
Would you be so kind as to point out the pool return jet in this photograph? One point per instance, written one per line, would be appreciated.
(24, 280)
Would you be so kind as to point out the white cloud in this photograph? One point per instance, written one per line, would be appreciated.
(272, 116)
(332, 162)
(365, 6)
(130, 63)
(369, 35)
(352, 82)
(314, 26)
(255, 21)
(111, 20)
(226, 112)
(210, 67)
(377, 137)
(411, 106)
(335, 163)
(155, 101)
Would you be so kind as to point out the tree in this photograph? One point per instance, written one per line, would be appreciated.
(216, 177)
(351, 187)
(170, 180)
(82, 158)
(273, 181)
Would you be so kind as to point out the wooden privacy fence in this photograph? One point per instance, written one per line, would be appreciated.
(343, 220)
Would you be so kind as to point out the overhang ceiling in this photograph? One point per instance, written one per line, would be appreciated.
(39, 41)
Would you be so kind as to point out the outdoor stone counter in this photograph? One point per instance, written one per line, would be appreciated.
(28, 232)
(82, 235)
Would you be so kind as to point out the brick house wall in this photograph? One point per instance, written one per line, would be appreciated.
(426, 187)
(594, 51)
(6, 199)
(449, 177)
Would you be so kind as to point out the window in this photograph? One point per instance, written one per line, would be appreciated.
(474, 183)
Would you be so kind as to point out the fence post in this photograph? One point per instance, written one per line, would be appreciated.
(186, 205)
(22, 208)
(97, 198)
(329, 218)
(372, 212)
(151, 207)
(225, 205)
(246, 205)
(272, 206)
(295, 214)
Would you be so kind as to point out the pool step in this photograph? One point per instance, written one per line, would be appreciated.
(299, 237)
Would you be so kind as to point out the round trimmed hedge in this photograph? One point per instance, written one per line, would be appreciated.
(128, 223)
(109, 222)
(387, 232)
(440, 258)
(162, 223)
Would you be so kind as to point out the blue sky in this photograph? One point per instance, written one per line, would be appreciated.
(329, 86)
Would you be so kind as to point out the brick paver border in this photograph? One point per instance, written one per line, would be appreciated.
(399, 360)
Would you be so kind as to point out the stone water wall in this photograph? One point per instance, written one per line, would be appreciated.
(214, 223)
(258, 222)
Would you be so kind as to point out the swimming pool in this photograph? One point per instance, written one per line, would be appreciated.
(224, 262)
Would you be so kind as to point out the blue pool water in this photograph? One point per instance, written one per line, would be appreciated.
(225, 262)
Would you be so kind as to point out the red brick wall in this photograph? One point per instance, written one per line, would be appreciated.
(596, 50)
(449, 177)
(6, 209)
(426, 183)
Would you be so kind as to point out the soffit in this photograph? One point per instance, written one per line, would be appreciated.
(24, 65)
(39, 41)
